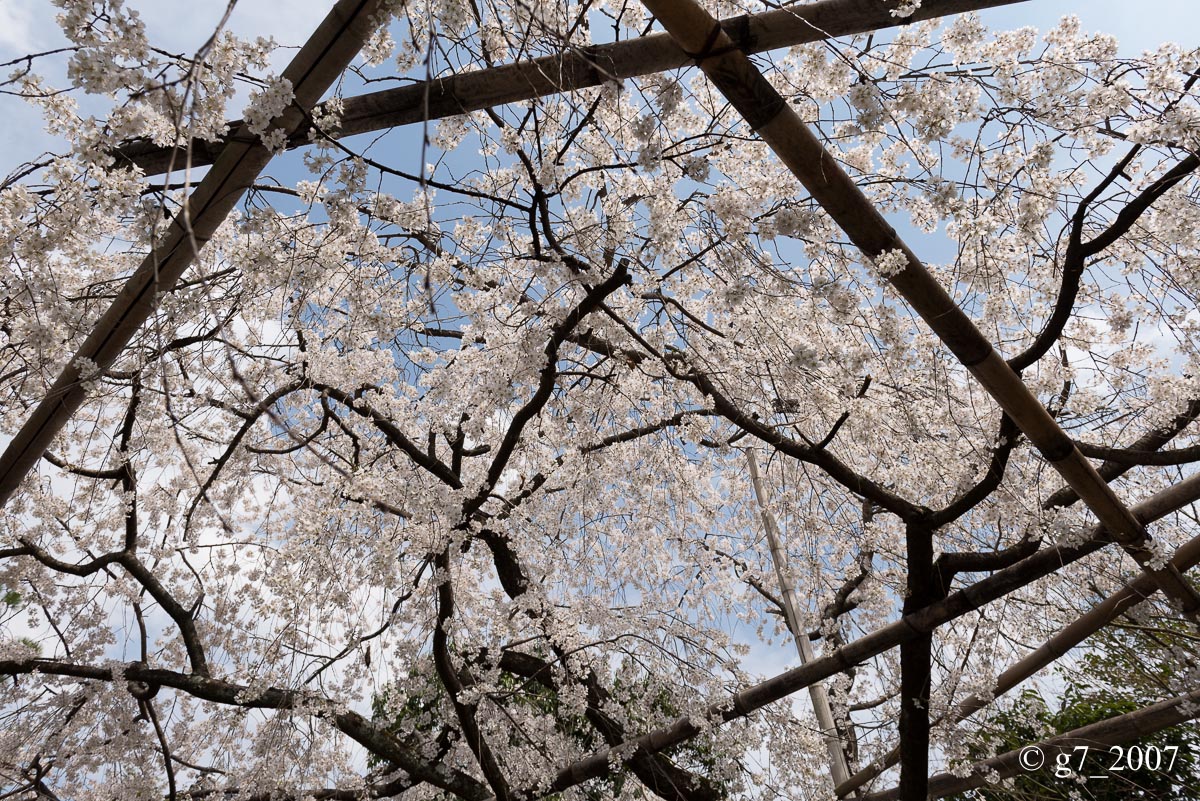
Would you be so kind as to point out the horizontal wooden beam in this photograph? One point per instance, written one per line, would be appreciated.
(566, 72)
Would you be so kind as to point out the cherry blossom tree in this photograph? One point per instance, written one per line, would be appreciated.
(395, 442)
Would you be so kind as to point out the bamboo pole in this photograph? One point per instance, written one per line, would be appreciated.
(778, 124)
(569, 71)
(839, 769)
(955, 605)
(327, 53)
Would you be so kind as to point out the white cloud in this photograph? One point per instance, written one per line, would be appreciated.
(17, 34)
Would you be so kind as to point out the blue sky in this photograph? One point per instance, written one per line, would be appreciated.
(1138, 24)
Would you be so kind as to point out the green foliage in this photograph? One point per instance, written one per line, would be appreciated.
(1129, 667)
(10, 601)
(425, 715)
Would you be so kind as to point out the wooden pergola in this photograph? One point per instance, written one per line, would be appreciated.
(721, 50)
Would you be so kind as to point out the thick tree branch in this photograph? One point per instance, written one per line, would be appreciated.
(1134, 209)
(1150, 441)
(1112, 731)
(370, 735)
(837, 470)
(955, 605)
(981, 490)
(357, 403)
(1074, 262)
(546, 380)
(1136, 458)
(466, 712)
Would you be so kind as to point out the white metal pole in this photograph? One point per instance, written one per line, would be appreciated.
(838, 768)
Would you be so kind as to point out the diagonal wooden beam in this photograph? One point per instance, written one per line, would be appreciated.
(996, 586)
(566, 72)
(1187, 556)
(777, 123)
(323, 58)
(1111, 731)
(780, 127)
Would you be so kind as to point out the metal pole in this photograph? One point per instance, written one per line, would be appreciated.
(838, 768)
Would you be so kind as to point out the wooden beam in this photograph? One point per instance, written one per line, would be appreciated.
(996, 586)
(323, 58)
(1111, 731)
(569, 71)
